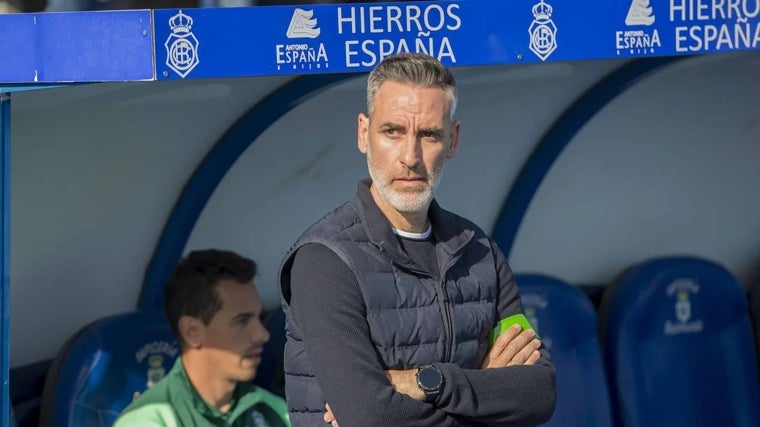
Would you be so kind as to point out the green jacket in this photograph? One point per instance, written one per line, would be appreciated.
(173, 402)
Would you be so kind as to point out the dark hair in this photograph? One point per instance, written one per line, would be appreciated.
(191, 291)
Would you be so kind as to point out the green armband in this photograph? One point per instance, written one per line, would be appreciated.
(505, 323)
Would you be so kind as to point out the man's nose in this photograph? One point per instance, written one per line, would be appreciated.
(260, 334)
(411, 154)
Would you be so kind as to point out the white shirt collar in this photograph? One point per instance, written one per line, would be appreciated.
(415, 236)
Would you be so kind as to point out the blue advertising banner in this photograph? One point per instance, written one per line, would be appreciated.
(47, 48)
(355, 37)
(76, 47)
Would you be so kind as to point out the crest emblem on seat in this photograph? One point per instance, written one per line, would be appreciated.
(687, 321)
(156, 353)
(156, 369)
(683, 307)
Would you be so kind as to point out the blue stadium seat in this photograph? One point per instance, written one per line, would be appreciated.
(100, 370)
(679, 348)
(566, 322)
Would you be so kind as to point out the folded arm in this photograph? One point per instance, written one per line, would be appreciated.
(504, 393)
(328, 307)
(515, 385)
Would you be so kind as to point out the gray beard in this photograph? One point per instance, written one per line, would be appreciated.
(401, 201)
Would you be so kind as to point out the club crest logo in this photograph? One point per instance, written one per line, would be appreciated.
(683, 307)
(682, 290)
(157, 354)
(543, 32)
(181, 45)
(156, 369)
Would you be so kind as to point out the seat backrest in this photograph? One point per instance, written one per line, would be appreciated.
(102, 368)
(679, 348)
(566, 321)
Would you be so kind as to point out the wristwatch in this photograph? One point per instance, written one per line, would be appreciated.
(430, 381)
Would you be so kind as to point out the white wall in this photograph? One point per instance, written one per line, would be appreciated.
(670, 167)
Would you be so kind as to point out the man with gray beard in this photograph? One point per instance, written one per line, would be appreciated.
(390, 299)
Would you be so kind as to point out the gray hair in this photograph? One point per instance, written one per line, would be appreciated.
(412, 68)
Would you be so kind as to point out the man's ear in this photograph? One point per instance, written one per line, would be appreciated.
(192, 330)
(362, 132)
(454, 142)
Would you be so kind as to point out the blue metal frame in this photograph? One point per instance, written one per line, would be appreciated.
(558, 137)
(212, 169)
(55, 48)
(5, 178)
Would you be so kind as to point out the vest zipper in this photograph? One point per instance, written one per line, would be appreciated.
(448, 339)
(448, 324)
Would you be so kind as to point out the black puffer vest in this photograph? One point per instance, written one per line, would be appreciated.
(414, 318)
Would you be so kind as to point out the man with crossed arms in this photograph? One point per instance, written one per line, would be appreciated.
(390, 299)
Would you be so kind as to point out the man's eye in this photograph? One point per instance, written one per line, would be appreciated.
(391, 132)
(430, 136)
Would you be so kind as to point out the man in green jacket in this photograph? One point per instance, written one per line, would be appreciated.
(214, 309)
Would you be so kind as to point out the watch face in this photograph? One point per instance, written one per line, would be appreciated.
(429, 378)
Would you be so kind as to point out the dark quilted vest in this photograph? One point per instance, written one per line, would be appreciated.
(431, 320)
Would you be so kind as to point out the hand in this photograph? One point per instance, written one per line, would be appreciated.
(329, 417)
(513, 347)
(405, 381)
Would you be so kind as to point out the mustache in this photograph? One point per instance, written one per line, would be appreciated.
(413, 173)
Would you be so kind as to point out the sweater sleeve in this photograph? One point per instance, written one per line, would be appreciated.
(510, 396)
(328, 307)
